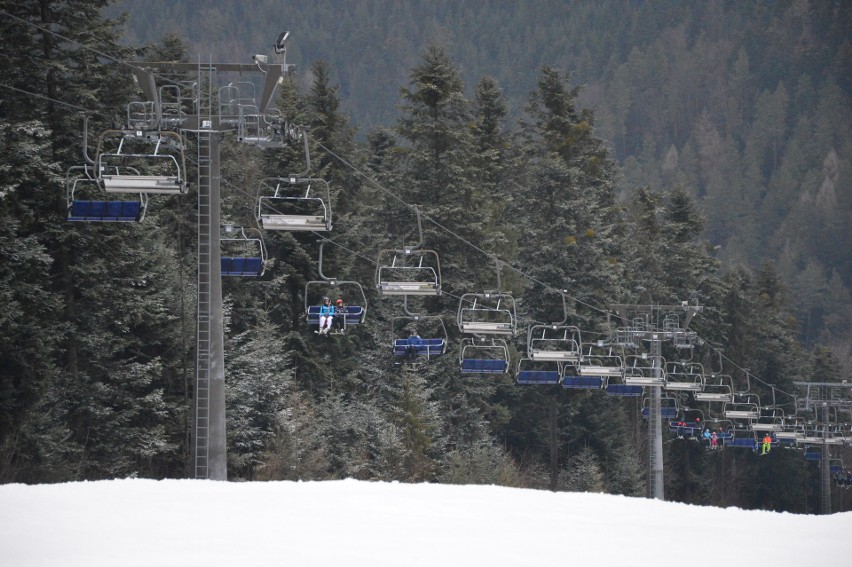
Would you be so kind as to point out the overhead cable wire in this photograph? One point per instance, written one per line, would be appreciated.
(745, 371)
(68, 104)
(83, 45)
(458, 236)
(60, 36)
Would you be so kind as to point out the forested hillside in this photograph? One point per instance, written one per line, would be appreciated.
(745, 105)
(726, 193)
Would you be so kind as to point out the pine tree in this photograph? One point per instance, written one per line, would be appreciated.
(105, 366)
(258, 380)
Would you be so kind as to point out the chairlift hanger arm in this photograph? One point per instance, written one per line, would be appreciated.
(304, 135)
(414, 316)
(319, 262)
(419, 227)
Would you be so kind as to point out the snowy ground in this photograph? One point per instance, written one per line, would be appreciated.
(203, 523)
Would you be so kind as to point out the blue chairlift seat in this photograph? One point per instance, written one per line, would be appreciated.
(484, 366)
(242, 266)
(583, 382)
(685, 429)
(105, 211)
(623, 390)
(538, 377)
(427, 348)
(354, 315)
(743, 443)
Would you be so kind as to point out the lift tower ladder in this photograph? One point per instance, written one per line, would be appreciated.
(209, 395)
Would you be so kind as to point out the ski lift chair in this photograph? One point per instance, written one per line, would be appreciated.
(770, 420)
(684, 376)
(572, 380)
(491, 313)
(538, 372)
(743, 407)
(718, 388)
(158, 170)
(690, 425)
(743, 438)
(668, 407)
(351, 291)
(607, 363)
(247, 254)
(554, 342)
(84, 204)
(410, 270)
(288, 204)
(430, 329)
(640, 371)
(480, 355)
(601, 360)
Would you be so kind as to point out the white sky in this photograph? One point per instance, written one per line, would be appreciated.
(353, 523)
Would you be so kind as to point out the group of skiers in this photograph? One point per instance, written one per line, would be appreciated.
(712, 440)
(695, 429)
(843, 478)
(332, 316)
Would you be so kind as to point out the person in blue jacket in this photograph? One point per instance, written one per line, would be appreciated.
(413, 347)
(326, 316)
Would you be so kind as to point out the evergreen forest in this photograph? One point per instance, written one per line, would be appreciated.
(575, 155)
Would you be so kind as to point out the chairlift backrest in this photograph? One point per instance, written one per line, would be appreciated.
(243, 252)
(483, 356)
(86, 202)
